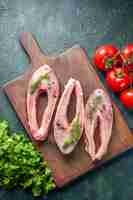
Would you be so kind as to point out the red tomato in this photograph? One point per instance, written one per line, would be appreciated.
(126, 98)
(127, 54)
(118, 61)
(105, 57)
(117, 79)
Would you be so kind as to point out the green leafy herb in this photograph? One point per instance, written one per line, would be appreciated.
(113, 109)
(75, 133)
(36, 83)
(21, 165)
(93, 107)
(97, 101)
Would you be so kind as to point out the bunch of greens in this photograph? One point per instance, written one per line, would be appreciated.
(21, 165)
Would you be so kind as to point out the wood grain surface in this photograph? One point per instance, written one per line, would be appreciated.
(72, 63)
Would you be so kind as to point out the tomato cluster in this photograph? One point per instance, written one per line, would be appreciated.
(118, 68)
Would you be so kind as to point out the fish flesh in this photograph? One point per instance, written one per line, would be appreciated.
(43, 80)
(66, 134)
(98, 110)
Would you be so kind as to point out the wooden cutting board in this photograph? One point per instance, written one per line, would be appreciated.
(72, 63)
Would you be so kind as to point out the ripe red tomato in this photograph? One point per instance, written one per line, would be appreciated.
(126, 97)
(117, 79)
(127, 54)
(106, 56)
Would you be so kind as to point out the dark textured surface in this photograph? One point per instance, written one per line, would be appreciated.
(58, 25)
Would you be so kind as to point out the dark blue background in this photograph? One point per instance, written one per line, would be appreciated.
(59, 24)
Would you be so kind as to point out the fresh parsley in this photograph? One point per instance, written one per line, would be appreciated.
(113, 109)
(21, 165)
(75, 133)
(35, 84)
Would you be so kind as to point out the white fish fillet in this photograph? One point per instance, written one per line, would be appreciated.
(45, 80)
(68, 135)
(98, 107)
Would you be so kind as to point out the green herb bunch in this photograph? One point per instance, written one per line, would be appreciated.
(21, 165)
